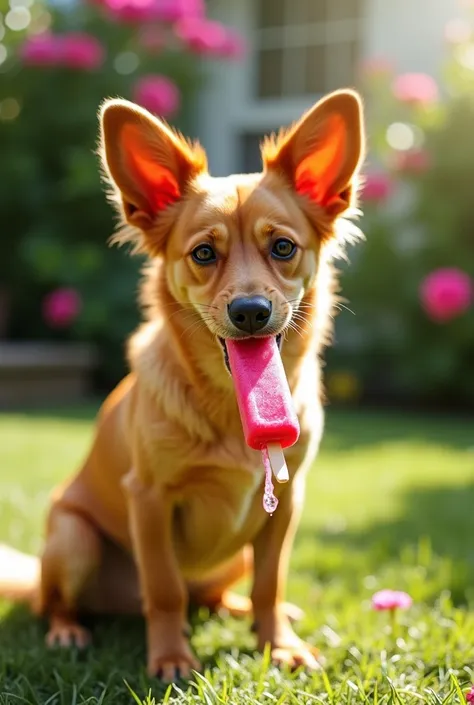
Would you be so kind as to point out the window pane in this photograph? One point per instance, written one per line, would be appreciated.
(342, 64)
(250, 160)
(354, 57)
(316, 60)
(304, 11)
(294, 71)
(345, 9)
(269, 73)
(270, 13)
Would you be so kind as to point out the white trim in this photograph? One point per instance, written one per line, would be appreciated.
(229, 104)
(312, 34)
(270, 113)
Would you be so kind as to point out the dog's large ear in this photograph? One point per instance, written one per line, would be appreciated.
(321, 154)
(150, 164)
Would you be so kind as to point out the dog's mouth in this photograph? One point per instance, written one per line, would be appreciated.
(278, 338)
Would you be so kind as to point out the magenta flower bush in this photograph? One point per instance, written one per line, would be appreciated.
(411, 284)
(41, 50)
(209, 38)
(157, 24)
(143, 11)
(57, 275)
(75, 50)
(78, 50)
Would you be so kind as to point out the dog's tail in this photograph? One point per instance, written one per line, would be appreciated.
(19, 575)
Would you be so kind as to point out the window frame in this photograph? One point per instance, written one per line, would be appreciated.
(289, 35)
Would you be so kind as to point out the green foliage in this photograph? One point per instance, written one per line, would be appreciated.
(55, 218)
(425, 223)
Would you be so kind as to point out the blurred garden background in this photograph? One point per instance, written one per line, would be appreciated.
(228, 72)
(390, 505)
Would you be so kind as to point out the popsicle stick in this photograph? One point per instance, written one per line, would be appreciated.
(277, 462)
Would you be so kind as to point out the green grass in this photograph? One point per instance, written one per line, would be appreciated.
(390, 504)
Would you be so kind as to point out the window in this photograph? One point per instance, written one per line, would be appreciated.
(250, 159)
(305, 47)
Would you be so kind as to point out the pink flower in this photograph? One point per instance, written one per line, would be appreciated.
(446, 293)
(470, 695)
(415, 88)
(61, 307)
(157, 94)
(76, 50)
(206, 37)
(131, 11)
(391, 600)
(377, 187)
(134, 11)
(79, 50)
(413, 161)
(174, 10)
(233, 46)
(41, 50)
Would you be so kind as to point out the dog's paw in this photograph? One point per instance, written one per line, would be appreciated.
(173, 667)
(67, 635)
(296, 655)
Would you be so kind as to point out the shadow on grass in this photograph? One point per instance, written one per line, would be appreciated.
(434, 530)
(80, 412)
(351, 430)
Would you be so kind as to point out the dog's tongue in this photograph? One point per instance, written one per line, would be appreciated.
(266, 408)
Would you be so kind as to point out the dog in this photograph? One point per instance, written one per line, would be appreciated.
(167, 507)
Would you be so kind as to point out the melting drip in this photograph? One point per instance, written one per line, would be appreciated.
(270, 502)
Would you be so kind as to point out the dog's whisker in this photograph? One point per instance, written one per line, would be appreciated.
(186, 314)
(307, 304)
(297, 316)
(193, 328)
(196, 329)
(294, 326)
(202, 319)
(207, 306)
(340, 306)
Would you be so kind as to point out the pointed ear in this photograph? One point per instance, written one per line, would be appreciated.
(321, 154)
(150, 164)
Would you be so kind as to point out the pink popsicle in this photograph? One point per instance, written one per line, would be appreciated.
(264, 399)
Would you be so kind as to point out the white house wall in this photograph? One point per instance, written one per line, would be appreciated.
(410, 33)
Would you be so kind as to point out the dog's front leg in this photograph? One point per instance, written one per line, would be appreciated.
(272, 549)
(163, 590)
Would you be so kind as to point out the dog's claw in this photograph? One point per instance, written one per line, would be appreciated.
(303, 654)
(68, 636)
(172, 669)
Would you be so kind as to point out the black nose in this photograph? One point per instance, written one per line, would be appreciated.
(250, 314)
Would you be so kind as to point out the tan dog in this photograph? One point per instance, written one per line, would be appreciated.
(167, 508)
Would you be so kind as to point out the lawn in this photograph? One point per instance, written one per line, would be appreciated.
(390, 503)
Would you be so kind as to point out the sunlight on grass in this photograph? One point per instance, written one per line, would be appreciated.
(389, 504)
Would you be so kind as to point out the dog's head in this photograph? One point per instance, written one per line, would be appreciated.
(240, 251)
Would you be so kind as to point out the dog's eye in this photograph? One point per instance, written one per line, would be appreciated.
(283, 248)
(203, 254)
